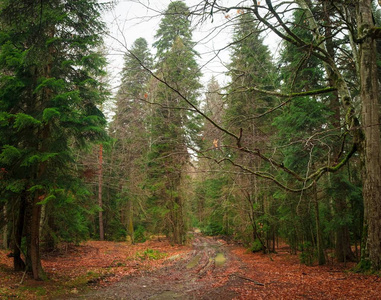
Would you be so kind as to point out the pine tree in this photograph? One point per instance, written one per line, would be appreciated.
(49, 104)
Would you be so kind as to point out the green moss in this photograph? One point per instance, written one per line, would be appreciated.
(151, 254)
(364, 266)
(220, 259)
(194, 262)
(37, 290)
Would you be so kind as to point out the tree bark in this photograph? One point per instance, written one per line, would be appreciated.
(18, 263)
(100, 203)
(319, 240)
(33, 213)
(343, 250)
(38, 273)
(33, 258)
(130, 221)
(371, 149)
(5, 228)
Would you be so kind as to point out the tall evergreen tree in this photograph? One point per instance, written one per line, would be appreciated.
(211, 203)
(174, 125)
(301, 71)
(251, 66)
(360, 36)
(130, 129)
(175, 24)
(49, 105)
(299, 122)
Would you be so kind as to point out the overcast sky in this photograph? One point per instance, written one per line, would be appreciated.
(130, 19)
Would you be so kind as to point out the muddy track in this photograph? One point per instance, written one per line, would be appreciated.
(209, 271)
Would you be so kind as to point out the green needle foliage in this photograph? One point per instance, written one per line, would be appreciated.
(175, 24)
(49, 102)
(174, 126)
(251, 66)
(130, 129)
(304, 129)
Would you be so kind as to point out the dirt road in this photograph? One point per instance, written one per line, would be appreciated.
(209, 271)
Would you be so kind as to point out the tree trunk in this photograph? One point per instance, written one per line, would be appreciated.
(5, 228)
(178, 220)
(18, 263)
(33, 213)
(33, 216)
(130, 223)
(372, 146)
(100, 203)
(319, 240)
(38, 273)
(343, 250)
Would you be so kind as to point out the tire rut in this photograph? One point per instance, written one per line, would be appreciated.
(197, 275)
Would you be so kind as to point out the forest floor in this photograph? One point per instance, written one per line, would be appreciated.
(209, 268)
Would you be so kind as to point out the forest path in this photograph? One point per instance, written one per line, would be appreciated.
(209, 271)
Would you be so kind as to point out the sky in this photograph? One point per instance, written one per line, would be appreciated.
(132, 19)
(129, 20)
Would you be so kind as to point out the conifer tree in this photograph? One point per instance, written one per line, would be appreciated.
(354, 36)
(174, 125)
(175, 24)
(301, 119)
(49, 105)
(299, 122)
(211, 202)
(130, 129)
(251, 66)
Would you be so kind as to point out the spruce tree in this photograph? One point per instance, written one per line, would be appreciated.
(49, 105)
(300, 121)
(212, 186)
(174, 126)
(251, 66)
(130, 129)
(175, 24)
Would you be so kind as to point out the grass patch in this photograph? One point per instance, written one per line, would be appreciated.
(151, 254)
(220, 259)
(37, 290)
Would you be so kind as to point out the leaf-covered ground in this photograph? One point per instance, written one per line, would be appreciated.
(93, 265)
(207, 269)
(285, 278)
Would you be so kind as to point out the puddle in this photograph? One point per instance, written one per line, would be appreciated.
(193, 262)
(220, 260)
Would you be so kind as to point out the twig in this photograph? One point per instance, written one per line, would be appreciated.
(23, 276)
(248, 279)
